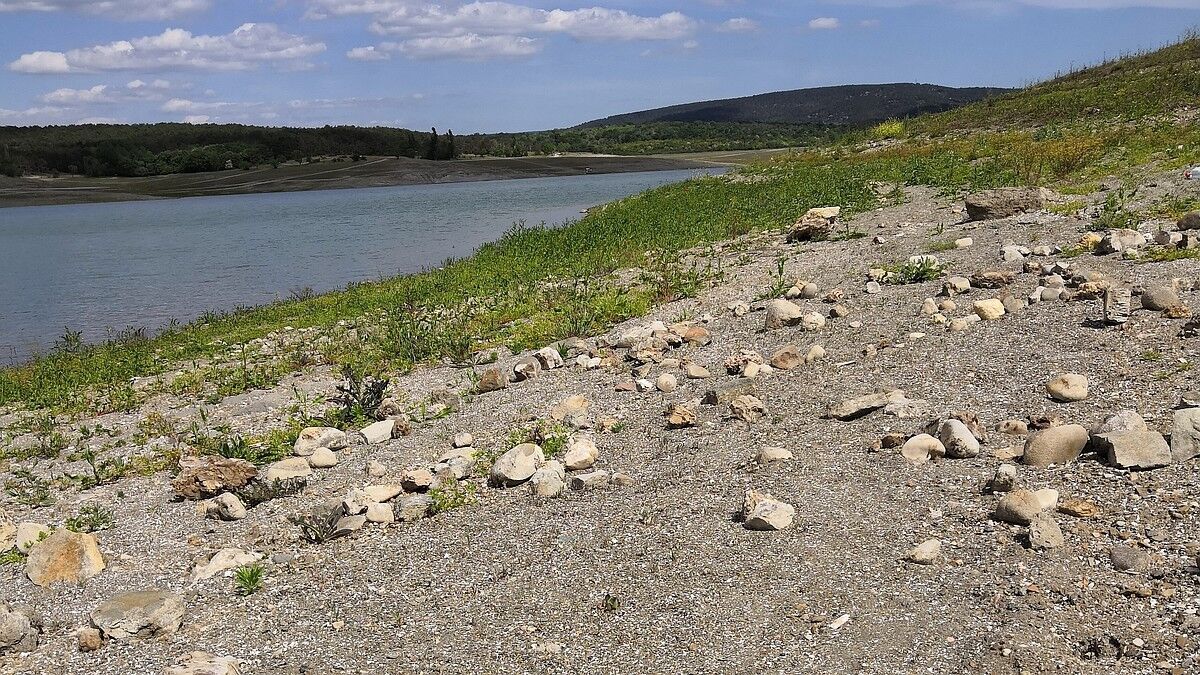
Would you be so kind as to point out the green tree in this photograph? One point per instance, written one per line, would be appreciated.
(431, 152)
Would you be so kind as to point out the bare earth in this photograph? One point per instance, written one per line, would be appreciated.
(517, 584)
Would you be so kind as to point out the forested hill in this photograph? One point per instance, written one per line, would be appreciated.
(848, 105)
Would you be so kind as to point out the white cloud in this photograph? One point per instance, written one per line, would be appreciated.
(98, 120)
(244, 48)
(825, 23)
(369, 53)
(96, 94)
(118, 9)
(196, 119)
(738, 25)
(469, 47)
(1000, 5)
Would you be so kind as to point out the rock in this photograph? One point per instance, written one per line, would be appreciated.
(814, 225)
(1190, 221)
(993, 278)
(379, 432)
(696, 372)
(66, 557)
(348, 524)
(680, 416)
(812, 321)
(989, 310)
(593, 479)
(1133, 449)
(203, 663)
(141, 614)
(854, 408)
(382, 493)
(492, 379)
(459, 461)
(787, 358)
(925, 553)
(549, 480)
(549, 358)
(873, 288)
(572, 411)
(27, 535)
(1127, 559)
(319, 437)
(1044, 533)
(17, 632)
(8, 531)
(287, 469)
(1116, 241)
(921, 448)
(747, 408)
(725, 392)
(1079, 508)
(376, 469)
(1068, 387)
(526, 369)
(1005, 202)
(955, 285)
(416, 480)
(226, 507)
(782, 313)
(380, 513)
(202, 477)
(1013, 253)
(666, 383)
(223, 560)
(964, 242)
(581, 454)
(1185, 435)
(463, 440)
(1018, 507)
(413, 508)
(322, 458)
(1005, 479)
(772, 454)
(959, 441)
(815, 353)
(697, 335)
(761, 511)
(1013, 428)
(1125, 420)
(738, 308)
(1116, 305)
(89, 639)
(1158, 298)
(516, 466)
(1057, 445)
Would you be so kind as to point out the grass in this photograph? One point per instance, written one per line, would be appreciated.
(912, 272)
(90, 519)
(248, 579)
(1168, 254)
(452, 495)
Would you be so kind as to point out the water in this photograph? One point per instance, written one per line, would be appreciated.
(97, 268)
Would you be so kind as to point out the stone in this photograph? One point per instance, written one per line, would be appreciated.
(1079, 508)
(17, 632)
(592, 479)
(1005, 202)
(459, 461)
(929, 307)
(1005, 479)
(761, 511)
(222, 561)
(815, 225)
(416, 480)
(572, 411)
(1067, 387)
(815, 353)
(959, 441)
(89, 639)
(787, 358)
(1018, 507)
(697, 335)
(526, 368)
(322, 458)
(27, 535)
(227, 506)
(782, 313)
(550, 358)
(1118, 240)
(680, 416)
(1044, 533)
(379, 432)
(666, 383)
(1185, 435)
(925, 553)
(492, 379)
(549, 480)
(921, 448)
(1159, 298)
(725, 392)
(516, 466)
(413, 508)
(1133, 449)
(993, 278)
(203, 663)
(621, 479)
(287, 469)
(964, 242)
(140, 614)
(463, 440)
(989, 310)
(581, 454)
(382, 493)
(318, 437)
(1057, 445)
(738, 308)
(1128, 559)
(873, 288)
(8, 531)
(749, 409)
(349, 524)
(380, 513)
(1013, 253)
(1125, 420)
(812, 321)
(64, 557)
(376, 469)
(1189, 221)
(1013, 428)
(860, 406)
(1116, 306)
(955, 285)
(772, 454)
(203, 477)
(695, 371)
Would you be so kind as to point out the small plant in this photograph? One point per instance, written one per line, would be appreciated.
(452, 495)
(887, 130)
(1168, 254)
(360, 396)
(940, 246)
(13, 556)
(1151, 355)
(29, 489)
(912, 272)
(1114, 215)
(319, 526)
(90, 519)
(779, 284)
(610, 603)
(249, 578)
(259, 491)
(551, 437)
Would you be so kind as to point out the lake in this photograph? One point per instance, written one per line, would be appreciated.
(97, 268)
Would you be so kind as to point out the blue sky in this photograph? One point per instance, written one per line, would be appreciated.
(523, 64)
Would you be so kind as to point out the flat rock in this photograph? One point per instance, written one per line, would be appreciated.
(1133, 449)
(1005, 202)
(287, 469)
(322, 458)
(592, 479)
(1018, 507)
(225, 559)
(379, 432)
(925, 553)
(413, 508)
(203, 663)
(1185, 435)
(854, 408)
(318, 437)
(140, 614)
(202, 477)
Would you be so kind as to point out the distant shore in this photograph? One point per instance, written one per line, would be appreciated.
(369, 172)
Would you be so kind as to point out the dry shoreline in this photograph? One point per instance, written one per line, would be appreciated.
(370, 172)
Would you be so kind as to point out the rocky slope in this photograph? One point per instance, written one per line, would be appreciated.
(868, 462)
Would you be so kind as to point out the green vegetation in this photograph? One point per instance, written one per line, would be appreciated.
(452, 495)
(1169, 254)
(249, 578)
(551, 437)
(90, 519)
(912, 272)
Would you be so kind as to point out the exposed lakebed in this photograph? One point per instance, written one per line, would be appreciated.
(97, 268)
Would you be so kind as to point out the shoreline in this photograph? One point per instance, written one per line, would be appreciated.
(371, 172)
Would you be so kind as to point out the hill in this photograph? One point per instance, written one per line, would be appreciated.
(848, 105)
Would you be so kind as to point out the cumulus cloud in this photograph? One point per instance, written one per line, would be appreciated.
(118, 9)
(196, 119)
(65, 96)
(246, 47)
(369, 53)
(1000, 5)
(503, 18)
(469, 47)
(825, 23)
(738, 25)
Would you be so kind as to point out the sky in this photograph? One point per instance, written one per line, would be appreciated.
(515, 65)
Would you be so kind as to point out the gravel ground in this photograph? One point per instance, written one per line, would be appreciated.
(518, 584)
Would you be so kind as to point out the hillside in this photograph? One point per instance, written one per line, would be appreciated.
(848, 105)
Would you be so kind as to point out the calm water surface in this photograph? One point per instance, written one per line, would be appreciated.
(100, 267)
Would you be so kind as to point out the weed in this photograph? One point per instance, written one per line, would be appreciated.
(249, 578)
(1168, 254)
(90, 519)
(940, 246)
(259, 491)
(551, 437)
(1113, 214)
(912, 272)
(28, 489)
(1151, 355)
(610, 603)
(452, 495)
(319, 526)
(359, 397)
(887, 130)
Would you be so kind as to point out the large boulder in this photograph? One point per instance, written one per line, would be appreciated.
(319, 437)
(141, 614)
(517, 465)
(1005, 202)
(202, 477)
(1133, 449)
(1056, 445)
(815, 225)
(17, 632)
(1185, 435)
(64, 557)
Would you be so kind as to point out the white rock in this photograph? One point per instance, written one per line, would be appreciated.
(379, 432)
